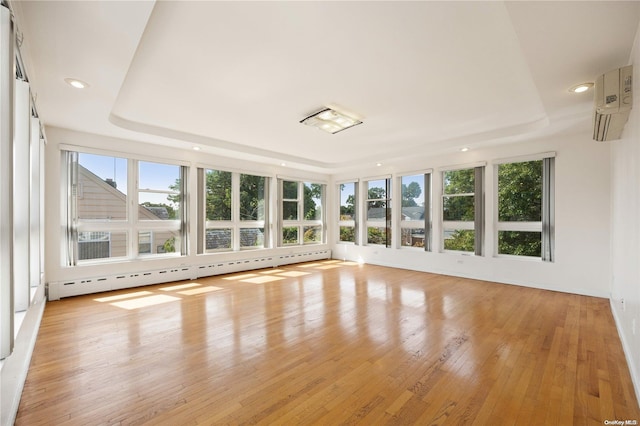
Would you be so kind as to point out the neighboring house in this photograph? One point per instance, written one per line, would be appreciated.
(100, 200)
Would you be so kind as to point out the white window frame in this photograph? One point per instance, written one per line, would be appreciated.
(301, 223)
(426, 223)
(388, 212)
(477, 225)
(348, 223)
(546, 225)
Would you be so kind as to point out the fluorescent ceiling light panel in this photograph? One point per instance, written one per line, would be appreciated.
(330, 121)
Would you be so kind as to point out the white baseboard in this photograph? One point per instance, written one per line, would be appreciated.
(627, 353)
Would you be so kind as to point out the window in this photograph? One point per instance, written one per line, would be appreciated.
(525, 206)
(232, 211)
(160, 212)
(302, 217)
(101, 223)
(253, 211)
(378, 205)
(415, 218)
(462, 210)
(347, 219)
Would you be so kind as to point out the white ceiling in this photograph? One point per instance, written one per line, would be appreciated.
(237, 77)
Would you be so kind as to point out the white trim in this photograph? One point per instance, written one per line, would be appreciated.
(379, 177)
(524, 158)
(462, 166)
(343, 181)
(519, 226)
(302, 179)
(416, 173)
(124, 155)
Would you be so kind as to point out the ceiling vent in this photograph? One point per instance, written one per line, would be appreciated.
(613, 99)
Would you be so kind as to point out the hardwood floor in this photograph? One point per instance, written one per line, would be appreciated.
(328, 343)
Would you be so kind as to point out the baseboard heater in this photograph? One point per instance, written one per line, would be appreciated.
(76, 287)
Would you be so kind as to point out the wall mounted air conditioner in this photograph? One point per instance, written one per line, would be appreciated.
(613, 99)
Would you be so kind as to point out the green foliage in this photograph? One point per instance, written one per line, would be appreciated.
(461, 240)
(520, 192)
(312, 198)
(252, 197)
(520, 243)
(410, 193)
(312, 234)
(170, 245)
(378, 235)
(290, 235)
(218, 195)
(348, 233)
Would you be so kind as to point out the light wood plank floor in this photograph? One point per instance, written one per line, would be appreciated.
(328, 343)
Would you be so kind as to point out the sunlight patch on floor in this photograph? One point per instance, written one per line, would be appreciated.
(122, 296)
(142, 302)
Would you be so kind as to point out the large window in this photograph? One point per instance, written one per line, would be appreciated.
(301, 211)
(348, 219)
(378, 205)
(232, 211)
(525, 208)
(415, 220)
(462, 210)
(102, 223)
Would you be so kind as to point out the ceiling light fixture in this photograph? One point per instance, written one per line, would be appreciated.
(330, 121)
(465, 149)
(196, 148)
(579, 88)
(78, 84)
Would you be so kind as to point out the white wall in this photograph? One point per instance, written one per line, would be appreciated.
(625, 231)
(582, 260)
(55, 218)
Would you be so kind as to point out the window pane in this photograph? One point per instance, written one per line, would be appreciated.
(458, 208)
(218, 195)
(413, 197)
(520, 243)
(412, 237)
(377, 189)
(154, 206)
(347, 201)
(348, 234)
(312, 201)
(377, 235)
(289, 190)
(252, 197)
(312, 234)
(459, 239)
(376, 210)
(520, 192)
(459, 181)
(102, 188)
(159, 177)
(158, 242)
(290, 235)
(251, 238)
(101, 245)
(218, 239)
(290, 210)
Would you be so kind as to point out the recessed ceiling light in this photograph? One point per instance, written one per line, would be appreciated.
(579, 88)
(378, 164)
(283, 164)
(196, 148)
(330, 121)
(78, 84)
(464, 149)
